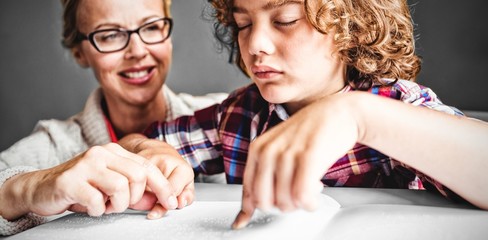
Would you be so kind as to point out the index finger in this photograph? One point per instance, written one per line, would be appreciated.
(180, 177)
(247, 208)
(156, 181)
(160, 186)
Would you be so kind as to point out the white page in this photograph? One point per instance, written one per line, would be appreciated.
(201, 220)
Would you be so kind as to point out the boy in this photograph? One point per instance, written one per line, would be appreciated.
(313, 117)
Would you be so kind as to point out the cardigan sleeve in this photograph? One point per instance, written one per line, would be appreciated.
(25, 222)
(51, 143)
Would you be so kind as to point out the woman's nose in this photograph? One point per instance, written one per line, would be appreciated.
(136, 48)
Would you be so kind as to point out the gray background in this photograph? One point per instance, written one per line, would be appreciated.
(40, 80)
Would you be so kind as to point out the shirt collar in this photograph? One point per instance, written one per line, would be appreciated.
(283, 114)
(280, 111)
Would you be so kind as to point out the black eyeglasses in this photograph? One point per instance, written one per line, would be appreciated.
(116, 39)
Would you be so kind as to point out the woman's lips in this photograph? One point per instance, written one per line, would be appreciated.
(137, 77)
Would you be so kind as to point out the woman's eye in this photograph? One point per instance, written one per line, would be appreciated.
(153, 27)
(110, 36)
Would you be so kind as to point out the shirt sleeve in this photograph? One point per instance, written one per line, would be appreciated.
(195, 137)
(419, 95)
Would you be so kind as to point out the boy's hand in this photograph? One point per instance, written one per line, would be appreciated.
(284, 165)
(178, 172)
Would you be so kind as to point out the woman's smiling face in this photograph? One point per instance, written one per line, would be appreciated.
(135, 74)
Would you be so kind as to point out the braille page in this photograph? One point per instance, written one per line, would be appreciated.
(201, 220)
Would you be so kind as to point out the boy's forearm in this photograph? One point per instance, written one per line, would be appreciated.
(438, 144)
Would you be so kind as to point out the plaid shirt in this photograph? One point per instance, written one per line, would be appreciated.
(216, 139)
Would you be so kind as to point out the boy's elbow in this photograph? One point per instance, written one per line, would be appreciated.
(482, 203)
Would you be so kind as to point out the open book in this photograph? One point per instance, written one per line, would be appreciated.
(201, 220)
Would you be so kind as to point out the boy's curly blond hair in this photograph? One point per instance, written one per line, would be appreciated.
(375, 38)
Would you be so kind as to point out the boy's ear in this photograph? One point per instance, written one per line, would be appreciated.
(79, 56)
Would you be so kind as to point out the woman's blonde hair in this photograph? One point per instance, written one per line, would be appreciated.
(375, 38)
(71, 35)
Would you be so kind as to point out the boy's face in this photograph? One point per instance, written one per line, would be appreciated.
(289, 60)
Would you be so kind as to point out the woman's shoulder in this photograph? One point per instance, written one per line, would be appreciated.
(52, 142)
(185, 104)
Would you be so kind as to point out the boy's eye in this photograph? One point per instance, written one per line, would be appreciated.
(286, 23)
(239, 28)
(241, 25)
(278, 23)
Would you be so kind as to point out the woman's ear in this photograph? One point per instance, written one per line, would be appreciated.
(80, 56)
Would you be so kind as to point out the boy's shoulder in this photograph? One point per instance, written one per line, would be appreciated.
(400, 89)
(247, 98)
(248, 91)
(413, 93)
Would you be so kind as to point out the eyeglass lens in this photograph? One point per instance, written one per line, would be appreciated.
(111, 40)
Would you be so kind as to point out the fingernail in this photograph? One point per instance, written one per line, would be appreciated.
(185, 202)
(154, 215)
(172, 202)
(238, 225)
(241, 220)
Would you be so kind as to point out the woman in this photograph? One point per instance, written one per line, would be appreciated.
(127, 44)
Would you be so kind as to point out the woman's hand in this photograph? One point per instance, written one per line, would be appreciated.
(285, 164)
(104, 179)
(178, 171)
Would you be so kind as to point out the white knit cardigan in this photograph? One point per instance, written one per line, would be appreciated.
(53, 142)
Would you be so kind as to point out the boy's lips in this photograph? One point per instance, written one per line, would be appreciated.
(265, 72)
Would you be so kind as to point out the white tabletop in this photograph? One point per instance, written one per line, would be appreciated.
(365, 213)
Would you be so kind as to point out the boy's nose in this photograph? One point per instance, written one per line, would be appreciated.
(261, 41)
